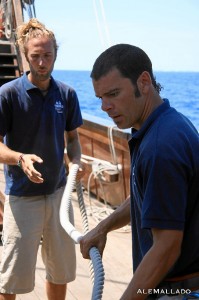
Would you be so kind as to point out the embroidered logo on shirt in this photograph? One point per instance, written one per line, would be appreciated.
(59, 107)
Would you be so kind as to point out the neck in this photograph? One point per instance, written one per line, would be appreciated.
(44, 92)
(43, 85)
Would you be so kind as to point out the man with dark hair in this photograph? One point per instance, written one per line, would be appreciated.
(163, 206)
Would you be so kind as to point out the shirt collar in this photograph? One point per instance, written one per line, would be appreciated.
(138, 134)
(29, 85)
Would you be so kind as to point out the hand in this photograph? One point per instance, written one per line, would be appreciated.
(28, 167)
(92, 239)
(80, 172)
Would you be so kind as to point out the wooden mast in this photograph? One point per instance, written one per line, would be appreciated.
(18, 13)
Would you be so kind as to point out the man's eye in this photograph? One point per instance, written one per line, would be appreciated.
(114, 94)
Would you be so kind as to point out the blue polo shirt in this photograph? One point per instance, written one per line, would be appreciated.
(34, 124)
(165, 185)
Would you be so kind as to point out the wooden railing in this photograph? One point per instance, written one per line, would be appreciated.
(95, 144)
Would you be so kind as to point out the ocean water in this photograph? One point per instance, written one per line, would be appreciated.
(181, 88)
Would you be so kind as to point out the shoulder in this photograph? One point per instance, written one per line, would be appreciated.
(11, 86)
(176, 128)
(171, 136)
(172, 126)
(61, 85)
(66, 90)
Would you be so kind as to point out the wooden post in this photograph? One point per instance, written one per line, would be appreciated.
(18, 12)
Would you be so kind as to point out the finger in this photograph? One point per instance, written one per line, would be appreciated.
(36, 179)
(80, 174)
(38, 159)
(84, 250)
(34, 175)
(31, 172)
(85, 254)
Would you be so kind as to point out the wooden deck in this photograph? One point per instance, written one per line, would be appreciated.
(116, 260)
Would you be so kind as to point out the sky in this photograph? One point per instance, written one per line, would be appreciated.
(168, 31)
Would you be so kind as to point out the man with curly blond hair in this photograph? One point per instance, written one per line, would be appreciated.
(38, 114)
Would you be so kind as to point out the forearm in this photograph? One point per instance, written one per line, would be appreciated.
(153, 268)
(119, 218)
(8, 156)
(73, 150)
(98, 235)
(147, 277)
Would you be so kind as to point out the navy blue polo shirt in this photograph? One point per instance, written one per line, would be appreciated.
(34, 124)
(165, 185)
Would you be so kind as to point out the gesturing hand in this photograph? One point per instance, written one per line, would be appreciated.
(27, 165)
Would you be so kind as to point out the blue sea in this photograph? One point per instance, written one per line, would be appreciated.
(181, 88)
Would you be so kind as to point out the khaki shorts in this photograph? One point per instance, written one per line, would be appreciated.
(26, 220)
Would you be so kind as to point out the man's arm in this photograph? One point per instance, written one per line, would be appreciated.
(155, 264)
(97, 236)
(73, 148)
(10, 157)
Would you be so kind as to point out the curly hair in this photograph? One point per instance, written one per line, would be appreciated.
(33, 29)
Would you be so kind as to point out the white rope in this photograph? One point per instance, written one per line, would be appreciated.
(104, 37)
(6, 6)
(111, 144)
(100, 166)
(96, 267)
(105, 24)
(98, 26)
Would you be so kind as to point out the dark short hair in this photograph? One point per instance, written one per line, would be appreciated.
(130, 61)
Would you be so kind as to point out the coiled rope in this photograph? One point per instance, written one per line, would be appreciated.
(97, 270)
(99, 166)
(6, 8)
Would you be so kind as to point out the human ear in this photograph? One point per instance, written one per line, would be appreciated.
(144, 82)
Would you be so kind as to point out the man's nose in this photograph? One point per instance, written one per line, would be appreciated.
(106, 105)
(41, 61)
